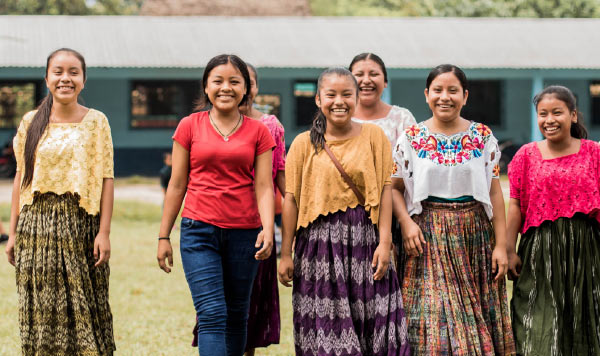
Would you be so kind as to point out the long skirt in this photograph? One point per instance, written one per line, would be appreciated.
(556, 300)
(264, 322)
(338, 308)
(63, 298)
(453, 304)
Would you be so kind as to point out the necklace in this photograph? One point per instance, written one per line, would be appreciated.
(225, 137)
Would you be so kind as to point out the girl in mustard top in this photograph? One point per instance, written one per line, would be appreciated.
(60, 219)
(346, 295)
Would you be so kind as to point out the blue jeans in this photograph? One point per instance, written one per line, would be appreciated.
(220, 267)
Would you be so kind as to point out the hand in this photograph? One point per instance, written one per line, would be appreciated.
(381, 260)
(164, 254)
(265, 239)
(412, 238)
(101, 249)
(10, 249)
(499, 262)
(286, 270)
(514, 265)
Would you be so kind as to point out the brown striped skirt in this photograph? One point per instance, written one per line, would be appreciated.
(63, 298)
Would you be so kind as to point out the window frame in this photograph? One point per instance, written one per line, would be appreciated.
(188, 98)
(39, 94)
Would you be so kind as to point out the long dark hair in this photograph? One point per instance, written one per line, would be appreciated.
(319, 124)
(565, 95)
(375, 58)
(448, 68)
(203, 102)
(41, 119)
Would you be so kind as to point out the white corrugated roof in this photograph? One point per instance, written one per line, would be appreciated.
(189, 42)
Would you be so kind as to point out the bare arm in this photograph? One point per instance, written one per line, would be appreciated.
(512, 232)
(173, 199)
(263, 186)
(102, 241)
(381, 257)
(499, 257)
(280, 182)
(14, 218)
(289, 220)
(412, 236)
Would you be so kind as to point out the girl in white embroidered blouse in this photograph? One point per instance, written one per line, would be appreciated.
(448, 200)
(62, 204)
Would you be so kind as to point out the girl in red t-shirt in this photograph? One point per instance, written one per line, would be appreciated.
(215, 154)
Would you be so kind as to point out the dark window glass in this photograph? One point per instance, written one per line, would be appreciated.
(595, 101)
(268, 103)
(304, 96)
(484, 103)
(16, 99)
(162, 103)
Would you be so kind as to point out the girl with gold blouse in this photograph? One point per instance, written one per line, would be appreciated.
(62, 204)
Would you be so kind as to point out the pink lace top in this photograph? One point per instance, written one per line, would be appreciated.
(276, 129)
(548, 189)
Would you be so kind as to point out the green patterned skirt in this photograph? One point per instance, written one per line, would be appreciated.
(63, 298)
(556, 300)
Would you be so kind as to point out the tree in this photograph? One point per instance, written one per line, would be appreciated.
(458, 8)
(70, 7)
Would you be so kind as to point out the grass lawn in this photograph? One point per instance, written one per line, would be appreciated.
(153, 312)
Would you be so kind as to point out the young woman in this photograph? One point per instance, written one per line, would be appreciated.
(61, 209)
(346, 296)
(371, 75)
(555, 205)
(222, 164)
(453, 233)
(264, 322)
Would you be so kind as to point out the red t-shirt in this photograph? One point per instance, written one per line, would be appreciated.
(220, 189)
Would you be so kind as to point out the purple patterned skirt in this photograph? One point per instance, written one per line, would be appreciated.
(338, 308)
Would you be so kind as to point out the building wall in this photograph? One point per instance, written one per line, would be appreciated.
(139, 151)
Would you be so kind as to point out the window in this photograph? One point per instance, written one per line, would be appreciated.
(268, 103)
(485, 102)
(304, 95)
(595, 101)
(162, 103)
(16, 99)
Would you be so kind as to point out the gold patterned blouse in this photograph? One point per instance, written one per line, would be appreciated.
(70, 157)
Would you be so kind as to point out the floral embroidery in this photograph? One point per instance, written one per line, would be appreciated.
(394, 169)
(496, 172)
(449, 150)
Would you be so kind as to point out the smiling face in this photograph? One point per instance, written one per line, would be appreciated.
(446, 97)
(337, 99)
(225, 87)
(554, 118)
(371, 81)
(65, 77)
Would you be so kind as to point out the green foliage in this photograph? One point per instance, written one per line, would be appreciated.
(70, 7)
(458, 8)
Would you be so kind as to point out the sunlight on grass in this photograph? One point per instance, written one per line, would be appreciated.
(153, 311)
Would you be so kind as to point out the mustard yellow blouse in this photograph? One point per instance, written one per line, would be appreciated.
(70, 157)
(317, 185)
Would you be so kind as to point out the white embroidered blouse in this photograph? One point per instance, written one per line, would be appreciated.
(433, 164)
(394, 124)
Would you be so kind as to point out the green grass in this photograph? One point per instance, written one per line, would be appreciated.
(153, 311)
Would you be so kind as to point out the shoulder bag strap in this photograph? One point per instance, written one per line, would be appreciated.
(347, 179)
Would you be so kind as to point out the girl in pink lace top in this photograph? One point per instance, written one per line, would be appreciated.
(555, 205)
